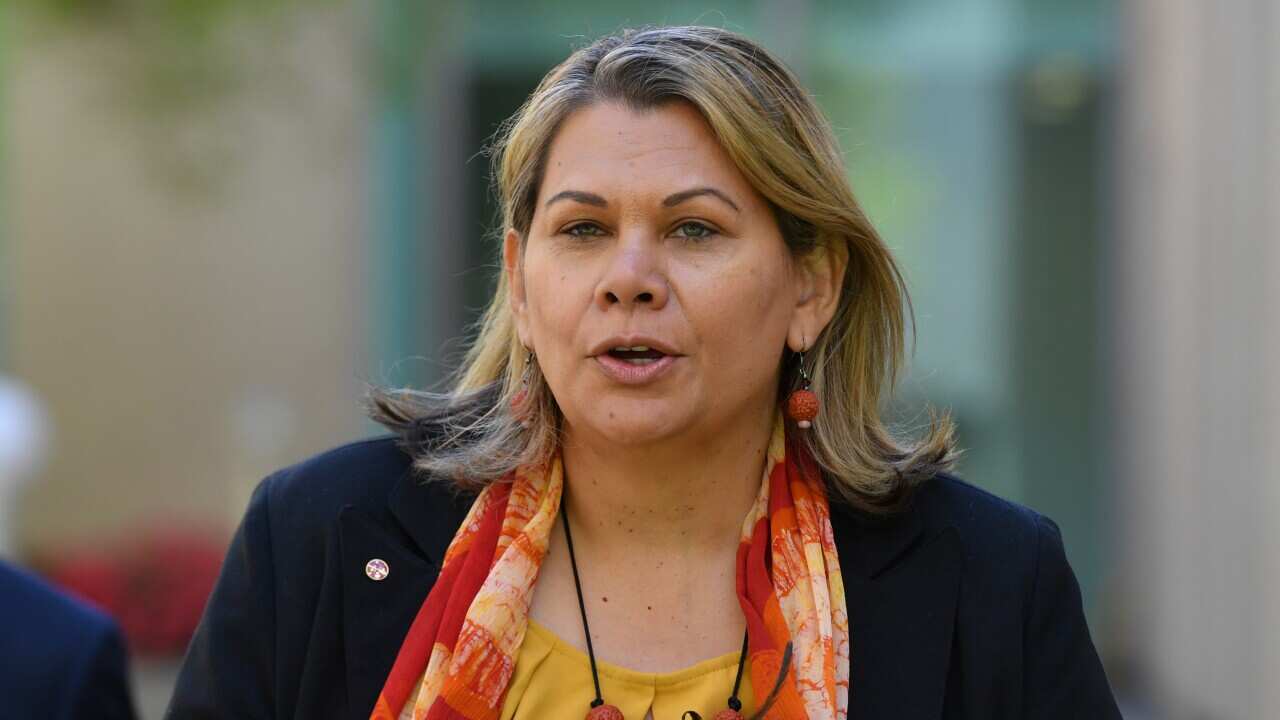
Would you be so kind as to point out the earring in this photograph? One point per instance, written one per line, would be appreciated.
(519, 401)
(802, 404)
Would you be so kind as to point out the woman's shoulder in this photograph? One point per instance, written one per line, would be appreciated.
(1000, 539)
(1019, 586)
(980, 515)
(373, 477)
(997, 540)
(360, 472)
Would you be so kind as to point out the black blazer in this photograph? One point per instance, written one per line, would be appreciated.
(62, 658)
(963, 607)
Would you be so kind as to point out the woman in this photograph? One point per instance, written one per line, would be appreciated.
(661, 487)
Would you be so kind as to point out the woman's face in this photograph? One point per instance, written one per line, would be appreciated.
(645, 235)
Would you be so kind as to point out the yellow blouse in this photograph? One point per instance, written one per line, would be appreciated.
(552, 679)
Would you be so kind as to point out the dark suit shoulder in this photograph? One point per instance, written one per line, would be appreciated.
(359, 473)
(1020, 611)
(276, 609)
(998, 534)
(950, 499)
(294, 511)
(30, 597)
(298, 507)
(58, 651)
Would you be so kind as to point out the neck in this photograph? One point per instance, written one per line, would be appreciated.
(685, 494)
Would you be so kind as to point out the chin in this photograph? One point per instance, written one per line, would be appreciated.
(641, 424)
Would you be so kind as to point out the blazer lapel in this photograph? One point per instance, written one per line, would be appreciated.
(429, 512)
(377, 613)
(901, 586)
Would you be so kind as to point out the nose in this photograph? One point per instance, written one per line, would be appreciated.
(634, 276)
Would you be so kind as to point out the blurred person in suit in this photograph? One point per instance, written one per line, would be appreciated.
(62, 658)
(677, 387)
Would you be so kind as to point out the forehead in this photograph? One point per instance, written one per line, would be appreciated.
(608, 147)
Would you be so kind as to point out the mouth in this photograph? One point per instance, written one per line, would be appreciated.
(639, 355)
(635, 365)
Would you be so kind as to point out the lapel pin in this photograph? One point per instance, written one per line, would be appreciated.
(377, 569)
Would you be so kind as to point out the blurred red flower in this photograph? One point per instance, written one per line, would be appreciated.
(155, 585)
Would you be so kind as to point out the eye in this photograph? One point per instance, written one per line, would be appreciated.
(572, 230)
(692, 230)
(696, 230)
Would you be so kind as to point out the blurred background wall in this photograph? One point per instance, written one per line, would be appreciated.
(220, 219)
(185, 281)
(1196, 281)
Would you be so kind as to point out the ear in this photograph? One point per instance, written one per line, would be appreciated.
(513, 268)
(819, 278)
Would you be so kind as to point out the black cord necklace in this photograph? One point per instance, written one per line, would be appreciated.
(600, 711)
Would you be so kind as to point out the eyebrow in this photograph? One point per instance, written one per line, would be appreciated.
(672, 200)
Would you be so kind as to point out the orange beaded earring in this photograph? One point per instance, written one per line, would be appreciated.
(802, 404)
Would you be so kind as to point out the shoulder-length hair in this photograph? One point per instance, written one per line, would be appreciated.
(786, 149)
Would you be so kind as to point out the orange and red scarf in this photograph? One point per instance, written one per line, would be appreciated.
(459, 655)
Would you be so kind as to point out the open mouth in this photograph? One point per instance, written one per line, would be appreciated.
(637, 355)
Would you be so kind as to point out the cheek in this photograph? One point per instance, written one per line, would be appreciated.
(742, 315)
(556, 298)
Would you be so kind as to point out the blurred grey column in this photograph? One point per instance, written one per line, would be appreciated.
(1197, 347)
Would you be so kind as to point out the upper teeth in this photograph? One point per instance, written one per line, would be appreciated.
(637, 348)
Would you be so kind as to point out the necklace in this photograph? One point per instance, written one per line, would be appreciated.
(601, 711)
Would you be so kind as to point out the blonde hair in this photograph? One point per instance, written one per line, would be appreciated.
(786, 149)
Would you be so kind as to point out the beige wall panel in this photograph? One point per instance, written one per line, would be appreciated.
(185, 341)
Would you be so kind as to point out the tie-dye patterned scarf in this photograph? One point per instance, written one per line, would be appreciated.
(459, 655)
